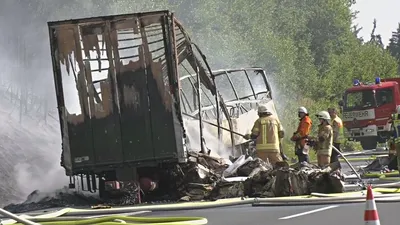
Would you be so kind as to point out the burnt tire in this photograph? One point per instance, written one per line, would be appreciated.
(369, 143)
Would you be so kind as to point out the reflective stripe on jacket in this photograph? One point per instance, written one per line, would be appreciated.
(338, 134)
(267, 131)
(396, 129)
(303, 130)
(324, 140)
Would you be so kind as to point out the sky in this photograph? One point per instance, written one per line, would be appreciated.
(386, 12)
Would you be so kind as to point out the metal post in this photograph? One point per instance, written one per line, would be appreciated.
(199, 105)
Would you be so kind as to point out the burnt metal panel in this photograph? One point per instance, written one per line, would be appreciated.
(80, 142)
(135, 116)
(164, 137)
(107, 140)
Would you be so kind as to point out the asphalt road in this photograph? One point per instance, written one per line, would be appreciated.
(290, 215)
(294, 215)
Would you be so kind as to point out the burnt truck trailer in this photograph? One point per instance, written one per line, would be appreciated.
(119, 97)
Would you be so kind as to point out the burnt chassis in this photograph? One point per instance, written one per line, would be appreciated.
(123, 121)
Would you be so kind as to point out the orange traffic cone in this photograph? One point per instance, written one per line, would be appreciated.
(371, 216)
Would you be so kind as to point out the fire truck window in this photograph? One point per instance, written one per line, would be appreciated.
(359, 100)
(384, 96)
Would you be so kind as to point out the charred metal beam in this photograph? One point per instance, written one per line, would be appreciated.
(251, 85)
(233, 86)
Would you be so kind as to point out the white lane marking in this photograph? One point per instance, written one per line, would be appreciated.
(309, 212)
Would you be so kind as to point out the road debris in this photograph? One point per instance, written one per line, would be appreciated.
(210, 178)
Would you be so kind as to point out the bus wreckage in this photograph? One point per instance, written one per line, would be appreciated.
(142, 112)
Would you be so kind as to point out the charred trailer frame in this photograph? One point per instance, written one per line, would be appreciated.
(117, 85)
(243, 90)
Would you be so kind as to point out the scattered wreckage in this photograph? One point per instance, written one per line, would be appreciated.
(205, 177)
(142, 115)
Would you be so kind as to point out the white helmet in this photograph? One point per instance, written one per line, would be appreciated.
(262, 109)
(324, 115)
(398, 109)
(303, 110)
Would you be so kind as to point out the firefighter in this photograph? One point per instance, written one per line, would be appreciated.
(396, 134)
(324, 139)
(267, 131)
(303, 130)
(338, 136)
(392, 154)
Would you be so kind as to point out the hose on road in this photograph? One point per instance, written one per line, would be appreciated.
(57, 218)
(80, 216)
(321, 199)
(349, 164)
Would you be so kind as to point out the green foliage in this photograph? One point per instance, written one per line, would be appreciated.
(394, 45)
(309, 48)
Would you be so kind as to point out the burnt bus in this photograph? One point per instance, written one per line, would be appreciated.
(117, 87)
(122, 99)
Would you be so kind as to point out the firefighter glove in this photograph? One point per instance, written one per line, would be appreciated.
(281, 134)
(247, 136)
(294, 137)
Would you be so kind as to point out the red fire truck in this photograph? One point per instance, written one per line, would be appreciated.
(367, 109)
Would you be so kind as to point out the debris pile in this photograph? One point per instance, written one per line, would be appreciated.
(206, 177)
(62, 198)
(382, 164)
(209, 178)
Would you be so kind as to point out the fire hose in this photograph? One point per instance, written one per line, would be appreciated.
(349, 164)
(81, 216)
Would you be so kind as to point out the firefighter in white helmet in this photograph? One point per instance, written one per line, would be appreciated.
(303, 130)
(324, 140)
(267, 131)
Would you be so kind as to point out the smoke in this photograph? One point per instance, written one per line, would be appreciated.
(212, 142)
(31, 147)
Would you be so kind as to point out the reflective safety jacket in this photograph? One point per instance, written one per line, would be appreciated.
(267, 129)
(396, 129)
(392, 146)
(303, 130)
(337, 126)
(324, 140)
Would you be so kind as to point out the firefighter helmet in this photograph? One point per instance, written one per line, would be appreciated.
(324, 115)
(263, 109)
(303, 110)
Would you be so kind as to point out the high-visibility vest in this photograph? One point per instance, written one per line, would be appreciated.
(338, 133)
(302, 131)
(396, 127)
(267, 131)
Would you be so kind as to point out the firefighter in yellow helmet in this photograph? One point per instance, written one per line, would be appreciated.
(324, 139)
(267, 132)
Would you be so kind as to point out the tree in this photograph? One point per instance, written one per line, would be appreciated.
(309, 48)
(394, 45)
